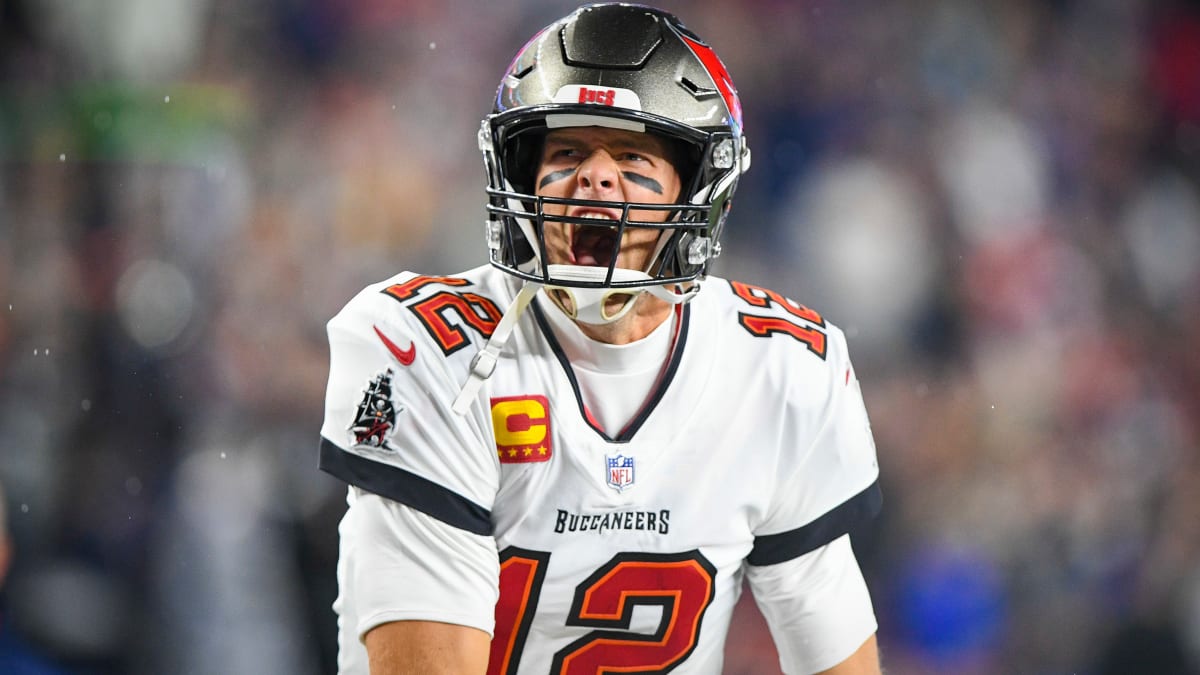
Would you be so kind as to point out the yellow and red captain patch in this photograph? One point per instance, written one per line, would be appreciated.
(522, 429)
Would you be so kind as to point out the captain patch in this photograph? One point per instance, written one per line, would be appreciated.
(522, 429)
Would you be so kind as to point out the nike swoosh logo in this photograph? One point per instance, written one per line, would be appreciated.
(404, 356)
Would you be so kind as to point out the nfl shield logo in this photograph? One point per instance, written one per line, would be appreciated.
(620, 471)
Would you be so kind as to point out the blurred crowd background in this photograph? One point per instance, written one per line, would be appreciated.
(998, 201)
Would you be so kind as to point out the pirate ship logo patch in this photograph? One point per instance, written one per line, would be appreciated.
(376, 417)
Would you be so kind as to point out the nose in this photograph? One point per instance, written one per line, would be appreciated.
(598, 173)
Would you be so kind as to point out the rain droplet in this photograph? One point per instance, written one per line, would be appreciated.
(133, 486)
(62, 157)
(155, 300)
(222, 455)
(35, 352)
(24, 508)
(86, 404)
(433, 45)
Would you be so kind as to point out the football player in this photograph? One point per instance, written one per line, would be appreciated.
(569, 460)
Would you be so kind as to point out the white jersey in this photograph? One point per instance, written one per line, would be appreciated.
(621, 553)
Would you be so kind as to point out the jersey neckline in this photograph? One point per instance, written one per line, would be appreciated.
(657, 391)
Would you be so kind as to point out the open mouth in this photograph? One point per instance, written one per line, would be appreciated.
(594, 245)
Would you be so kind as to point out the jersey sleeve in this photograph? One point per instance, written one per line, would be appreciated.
(388, 426)
(396, 563)
(817, 606)
(827, 469)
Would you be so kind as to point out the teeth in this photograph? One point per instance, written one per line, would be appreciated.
(593, 215)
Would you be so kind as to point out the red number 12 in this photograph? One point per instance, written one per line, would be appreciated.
(680, 583)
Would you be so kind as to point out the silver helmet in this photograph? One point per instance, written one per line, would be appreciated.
(629, 67)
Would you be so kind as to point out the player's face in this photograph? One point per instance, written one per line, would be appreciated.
(604, 164)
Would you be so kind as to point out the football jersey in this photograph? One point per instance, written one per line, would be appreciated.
(625, 552)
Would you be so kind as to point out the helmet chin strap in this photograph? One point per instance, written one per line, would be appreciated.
(590, 304)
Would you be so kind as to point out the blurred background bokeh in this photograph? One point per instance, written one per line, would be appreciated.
(998, 201)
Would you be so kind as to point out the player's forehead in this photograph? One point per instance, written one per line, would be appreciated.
(607, 137)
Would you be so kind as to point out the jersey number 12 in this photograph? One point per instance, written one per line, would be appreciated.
(680, 583)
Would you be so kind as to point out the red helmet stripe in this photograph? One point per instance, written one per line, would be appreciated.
(716, 70)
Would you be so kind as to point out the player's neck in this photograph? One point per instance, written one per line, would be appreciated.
(647, 314)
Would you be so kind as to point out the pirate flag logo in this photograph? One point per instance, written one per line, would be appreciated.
(376, 417)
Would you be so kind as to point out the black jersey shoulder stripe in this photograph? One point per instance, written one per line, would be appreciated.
(405, 487)
(776, 548)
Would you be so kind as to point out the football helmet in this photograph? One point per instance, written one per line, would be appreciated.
(628, 67)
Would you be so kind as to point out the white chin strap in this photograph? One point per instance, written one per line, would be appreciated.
(589, 308)
(590, 303)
